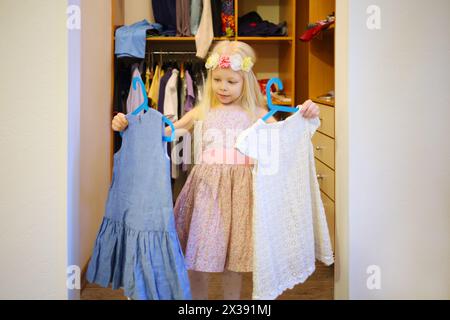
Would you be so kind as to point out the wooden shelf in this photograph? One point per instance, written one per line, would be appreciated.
(264, 38)
(328, 103)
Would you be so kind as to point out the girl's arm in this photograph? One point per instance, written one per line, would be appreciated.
(309, 110)
(120, 123)
(262, 112)
(185, 122)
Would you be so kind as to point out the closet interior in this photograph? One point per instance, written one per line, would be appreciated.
(306, 68)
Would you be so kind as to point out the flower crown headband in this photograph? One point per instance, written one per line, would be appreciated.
(235, 62)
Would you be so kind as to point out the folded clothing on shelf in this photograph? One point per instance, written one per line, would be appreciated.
(251, 24)
(131, 40)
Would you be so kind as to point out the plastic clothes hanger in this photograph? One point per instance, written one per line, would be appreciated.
(144, 106)
(272, 107)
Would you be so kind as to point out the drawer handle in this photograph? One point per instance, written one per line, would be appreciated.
(320, 119)
(318, 148)
(319, 176)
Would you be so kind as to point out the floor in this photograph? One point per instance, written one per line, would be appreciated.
(318, 287)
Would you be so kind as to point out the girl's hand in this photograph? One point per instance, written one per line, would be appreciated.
(119, 123)
(309, 109)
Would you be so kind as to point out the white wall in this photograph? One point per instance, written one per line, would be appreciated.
(137, 10)
(55, 142)
(396, 151)
(33, 146)
(95, 120)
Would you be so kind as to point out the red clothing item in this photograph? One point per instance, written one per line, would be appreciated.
(310, 34)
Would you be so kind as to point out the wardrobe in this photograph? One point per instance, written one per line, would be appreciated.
(305, 68)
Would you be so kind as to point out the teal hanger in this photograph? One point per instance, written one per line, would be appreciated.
(170, 123)
(144, 106)
(272, 107)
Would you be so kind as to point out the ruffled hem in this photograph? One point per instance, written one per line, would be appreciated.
(291, 283)
(326, 260)
(149, 265)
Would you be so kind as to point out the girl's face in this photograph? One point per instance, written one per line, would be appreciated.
(227, 85)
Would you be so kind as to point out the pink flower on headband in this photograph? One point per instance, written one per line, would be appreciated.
(235, 62)
(224, 62)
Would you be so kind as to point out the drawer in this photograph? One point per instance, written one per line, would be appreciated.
(324, 148)
(326, 120)
(328, 205)
(325, 176)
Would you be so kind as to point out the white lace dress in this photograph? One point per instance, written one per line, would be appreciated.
(290, 229)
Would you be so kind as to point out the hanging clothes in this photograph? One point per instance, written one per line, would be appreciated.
(228, 24)
(162, 89)
(289, 227)
(123, 73)
(196, 14)
(182, 91)
(165, 14)
(171, 112)
(135, 97)
(171, 97)
(175, 148)
(200, 81)
(148, 79)
(190, 95)
(187, 145)
(205, 33)
(137, 247)
(183, 10)
(153, 94)
(216, 10)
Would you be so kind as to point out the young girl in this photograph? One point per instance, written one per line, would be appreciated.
(214, 209)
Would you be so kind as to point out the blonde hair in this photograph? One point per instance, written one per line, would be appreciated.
(251, 97)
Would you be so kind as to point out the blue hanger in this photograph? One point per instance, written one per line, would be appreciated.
(144, 106)
(272, 107)
(170, 123)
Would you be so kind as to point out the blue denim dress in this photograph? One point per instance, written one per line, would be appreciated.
(137, 247)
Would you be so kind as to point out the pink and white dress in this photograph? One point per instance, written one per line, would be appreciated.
(213, 212)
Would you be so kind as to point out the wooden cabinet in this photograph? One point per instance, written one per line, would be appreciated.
(325, 175)
(315, 77)
(324, 148)
(324, 152)
(326, 118)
